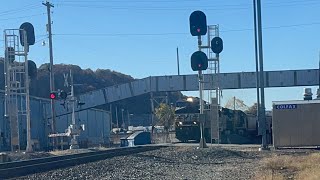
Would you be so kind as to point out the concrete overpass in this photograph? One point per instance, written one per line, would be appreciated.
(237, 80)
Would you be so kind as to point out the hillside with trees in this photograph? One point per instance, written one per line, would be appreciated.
(87, 80)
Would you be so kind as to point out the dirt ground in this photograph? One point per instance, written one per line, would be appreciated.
(187, 161)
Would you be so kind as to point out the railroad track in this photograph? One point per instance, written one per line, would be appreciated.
(23, 168)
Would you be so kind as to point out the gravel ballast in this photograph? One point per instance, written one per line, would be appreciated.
(175, 162)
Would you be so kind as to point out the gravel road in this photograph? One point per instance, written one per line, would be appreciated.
(176, 162)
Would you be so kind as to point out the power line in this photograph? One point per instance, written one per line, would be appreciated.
(119, 34)
(293, 4)
(22, 17)
(275, 27)
(173, 1)
(147, 8)
(103, 5)
(289, 1)
(178, 33)
(126, 1)
(168, 8)
(39, 36)
(18, 10)
(40, 40)
(292, 25)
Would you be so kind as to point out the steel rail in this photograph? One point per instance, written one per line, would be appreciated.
(26, 167)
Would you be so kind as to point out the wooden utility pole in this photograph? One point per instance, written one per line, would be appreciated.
(53, 123)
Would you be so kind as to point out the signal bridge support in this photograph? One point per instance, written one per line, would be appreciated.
(17, 102)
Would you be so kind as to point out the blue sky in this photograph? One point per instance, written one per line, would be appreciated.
(139, 37)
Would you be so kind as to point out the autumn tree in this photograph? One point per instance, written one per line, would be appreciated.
(165, 116)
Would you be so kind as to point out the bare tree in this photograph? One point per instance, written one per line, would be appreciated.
(236, 104)
(252, 109)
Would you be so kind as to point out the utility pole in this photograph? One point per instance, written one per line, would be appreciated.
(123, 124)
(128, 117)
(111, 118)
(257, 60)
(262, 121)
(53, 123)
(318, 90)
(117, 117)
(178, 61)
(152, 108)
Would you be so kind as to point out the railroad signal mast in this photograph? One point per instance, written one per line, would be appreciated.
(199, 62)
(17, 78)
(215, 48)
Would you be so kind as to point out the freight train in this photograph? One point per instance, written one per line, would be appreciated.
(235, 126)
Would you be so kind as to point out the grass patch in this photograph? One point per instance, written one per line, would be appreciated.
(304, 167)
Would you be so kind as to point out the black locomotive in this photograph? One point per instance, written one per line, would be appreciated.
(235, 126)
(187, 125)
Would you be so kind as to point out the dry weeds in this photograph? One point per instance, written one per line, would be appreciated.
(278, 167)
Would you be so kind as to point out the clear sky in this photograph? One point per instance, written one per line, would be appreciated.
(139, 37)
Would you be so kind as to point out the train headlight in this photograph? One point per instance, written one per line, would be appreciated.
(194, 122)
(180, 123)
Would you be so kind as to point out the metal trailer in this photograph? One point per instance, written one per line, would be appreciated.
(296, 123)
(96, 123)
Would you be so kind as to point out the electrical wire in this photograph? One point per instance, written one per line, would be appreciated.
(40, 40)
(215, 7)
(178, 33)
(127, 1)
(172, 1)
(234, 6)
(118, 34)
(205, 7)
(19, 10)
(22, 17)
(147, 8)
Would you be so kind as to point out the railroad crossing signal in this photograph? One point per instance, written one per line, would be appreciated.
(199, 61)
(54, 95)
(59, 95)
(198, 23)
(63, 95)
(217, 45)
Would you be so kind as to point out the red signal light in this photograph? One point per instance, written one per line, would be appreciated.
(199, 61)
(53, 96)
(198, 23)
